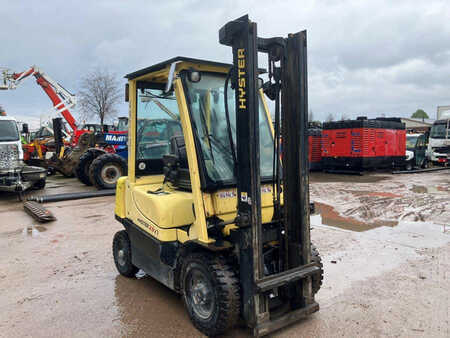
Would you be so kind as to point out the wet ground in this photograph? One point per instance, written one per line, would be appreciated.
(386, 261)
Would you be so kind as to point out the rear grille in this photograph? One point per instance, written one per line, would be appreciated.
(9, 156)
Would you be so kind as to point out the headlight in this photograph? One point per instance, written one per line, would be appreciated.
(409, 155)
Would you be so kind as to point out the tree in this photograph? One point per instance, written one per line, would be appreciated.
(99, 95)
(310, 116)
(420, 114)
(330, 117)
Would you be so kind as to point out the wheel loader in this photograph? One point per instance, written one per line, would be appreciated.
(220, 213)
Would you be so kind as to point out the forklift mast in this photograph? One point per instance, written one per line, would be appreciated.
(288, 78)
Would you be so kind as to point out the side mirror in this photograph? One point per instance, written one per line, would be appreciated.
(25, 129)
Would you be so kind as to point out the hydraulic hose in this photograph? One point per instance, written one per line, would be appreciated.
(227, 115)
(420, 170)
(72, 196)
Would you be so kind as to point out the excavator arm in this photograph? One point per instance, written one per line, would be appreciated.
(61, 98)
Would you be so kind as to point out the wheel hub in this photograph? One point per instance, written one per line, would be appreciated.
(201, 295)
(121, 257)
(110, 173)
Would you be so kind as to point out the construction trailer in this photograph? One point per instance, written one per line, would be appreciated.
(363, 144)
(315, 149)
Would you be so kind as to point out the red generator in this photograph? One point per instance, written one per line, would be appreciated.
(315, 149)
(363, 144)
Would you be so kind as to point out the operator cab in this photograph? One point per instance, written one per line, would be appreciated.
(176, 105)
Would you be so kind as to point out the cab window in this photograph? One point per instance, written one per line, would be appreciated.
(158, 120)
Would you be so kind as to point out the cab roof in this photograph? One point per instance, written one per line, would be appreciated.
(9, 118)
(167, 63)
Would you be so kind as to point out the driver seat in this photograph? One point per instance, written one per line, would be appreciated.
(176, 167)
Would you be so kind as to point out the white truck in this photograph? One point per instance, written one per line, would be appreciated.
(14, 174)
(439, 140)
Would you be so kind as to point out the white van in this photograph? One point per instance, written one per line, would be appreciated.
(14, 174)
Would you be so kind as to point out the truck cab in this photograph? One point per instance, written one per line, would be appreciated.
(439, 142)
(14, 175)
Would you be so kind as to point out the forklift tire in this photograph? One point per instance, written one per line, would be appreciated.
(318, 277)
(38, 185)
(106, 169)
(210, 289)
(122, 254)
(82, 169)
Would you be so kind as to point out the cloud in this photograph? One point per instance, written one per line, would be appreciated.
(364, 57)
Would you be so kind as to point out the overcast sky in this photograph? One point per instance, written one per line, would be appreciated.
(364, 57)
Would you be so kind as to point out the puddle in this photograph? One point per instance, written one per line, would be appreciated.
(332, 218)
(28, 230)
(137, 300)
(34, 231)
(321, 177)
(420, 189)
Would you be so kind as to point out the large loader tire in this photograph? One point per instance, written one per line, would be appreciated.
(82, 168)
(318, 277)
(122, 254)
(211, 295)
(106, 169)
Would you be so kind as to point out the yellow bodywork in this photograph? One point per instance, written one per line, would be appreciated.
(158, 209)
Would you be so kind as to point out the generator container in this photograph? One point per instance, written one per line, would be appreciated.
(363, 144)
(315, 149)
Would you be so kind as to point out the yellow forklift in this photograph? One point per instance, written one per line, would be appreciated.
(209, 210)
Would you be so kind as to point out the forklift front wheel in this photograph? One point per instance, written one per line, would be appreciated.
(317, 278)
(122, 254)
(210, 293)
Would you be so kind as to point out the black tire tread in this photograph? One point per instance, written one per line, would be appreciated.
(39, 184)
(317, 279)
(226, 283)
(130, 270)
(82, 168)
(96, 167)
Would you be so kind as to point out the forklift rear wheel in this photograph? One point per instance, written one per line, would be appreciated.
(122, 254)
(318, 277)
(82, 169)
(211, 295)
(106, 169)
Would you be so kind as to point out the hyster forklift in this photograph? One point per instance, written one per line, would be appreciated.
(215, 215)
